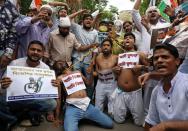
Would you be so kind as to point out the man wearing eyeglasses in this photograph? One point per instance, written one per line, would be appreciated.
(34, 28)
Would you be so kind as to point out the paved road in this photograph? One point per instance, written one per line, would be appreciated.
(86, 126)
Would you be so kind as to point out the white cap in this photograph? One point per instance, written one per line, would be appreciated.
(152, 8)
(64, 22)
(47, 7)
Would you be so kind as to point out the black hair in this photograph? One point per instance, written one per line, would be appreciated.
(131, 23)
(109, 40)
(130, 34)
(86, 15)
(170, 48)
(102, 22)
(62, 8)
(60, 71)
(38, 43)
(111, 22)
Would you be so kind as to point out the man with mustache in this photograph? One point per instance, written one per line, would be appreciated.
(168, 106)
(167, 110)
(106, 83)
(34, 28)
(35, 52)
(86, 35)
(151, 19)
(62, 42)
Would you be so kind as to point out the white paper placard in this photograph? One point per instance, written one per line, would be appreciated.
(128, 60)
(30, 83)
(73, 83)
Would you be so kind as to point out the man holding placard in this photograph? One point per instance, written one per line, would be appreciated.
(31, 101)
(78, 103)
(122, 101)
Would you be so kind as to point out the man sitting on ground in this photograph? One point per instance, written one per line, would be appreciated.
(34, 54)
(79, 107)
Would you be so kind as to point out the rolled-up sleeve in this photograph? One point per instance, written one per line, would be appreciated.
(23, 25)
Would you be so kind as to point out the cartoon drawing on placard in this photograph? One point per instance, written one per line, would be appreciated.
(34, 86)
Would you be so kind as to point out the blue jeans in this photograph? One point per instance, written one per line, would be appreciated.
(5, 115)
(82, 67)
(41, 105)
(73, 115)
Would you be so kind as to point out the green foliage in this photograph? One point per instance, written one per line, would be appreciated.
(144, 6)
(113, 9)
(89, 4)
(101, 5)
(93, 5)
(107, 15)
(25, 4)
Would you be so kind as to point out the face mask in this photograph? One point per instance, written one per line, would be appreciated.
(103, 29)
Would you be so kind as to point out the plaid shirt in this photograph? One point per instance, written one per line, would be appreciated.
(8, 35)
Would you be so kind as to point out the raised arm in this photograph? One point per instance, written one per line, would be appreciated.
(137, 5)
(72, 16)
(56, 3)
(142, 26)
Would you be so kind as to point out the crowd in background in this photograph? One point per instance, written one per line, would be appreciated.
(154, 91)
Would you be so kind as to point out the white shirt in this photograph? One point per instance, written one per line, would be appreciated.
(22, 62)
(85, 38)
(145, 37)
(172, 105)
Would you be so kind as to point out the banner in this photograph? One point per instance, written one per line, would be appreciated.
(73, 82)
(30, 83)
(106, 75)
(158, 35)
(162, 6)
(36, 4)
(128, 60)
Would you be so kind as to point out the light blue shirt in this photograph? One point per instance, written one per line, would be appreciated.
(172, 105)
(85, 38)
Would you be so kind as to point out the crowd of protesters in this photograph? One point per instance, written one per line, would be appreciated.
(154, 91)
